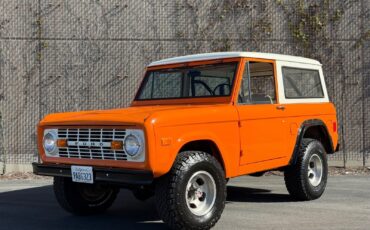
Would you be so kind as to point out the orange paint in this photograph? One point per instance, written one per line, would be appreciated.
(250, 138)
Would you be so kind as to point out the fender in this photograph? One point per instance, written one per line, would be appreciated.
(301, 132)
(205, 136)
(186, 134)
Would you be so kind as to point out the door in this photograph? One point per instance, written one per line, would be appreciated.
(263, 129)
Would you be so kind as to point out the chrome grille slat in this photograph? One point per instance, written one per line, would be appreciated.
(101, 147)
(114, 151)
(90, 140)
(78, 139)
(67, 133)
(92, 135)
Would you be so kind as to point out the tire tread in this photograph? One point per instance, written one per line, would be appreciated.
(294, 175)
(165, 189)
(71, 201)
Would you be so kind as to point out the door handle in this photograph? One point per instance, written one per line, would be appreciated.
(281, 107)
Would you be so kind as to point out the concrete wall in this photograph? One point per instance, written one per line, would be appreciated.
(68, 55)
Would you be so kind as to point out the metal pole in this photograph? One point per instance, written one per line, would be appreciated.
(362, 28)
(342, 123)
(39, 63)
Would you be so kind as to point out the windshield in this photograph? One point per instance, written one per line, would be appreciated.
(214, 80)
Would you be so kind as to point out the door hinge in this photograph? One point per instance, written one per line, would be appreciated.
(239, 123)
(241, 153)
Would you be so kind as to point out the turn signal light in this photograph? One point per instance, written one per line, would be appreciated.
(62, 143)
(117, 145)
(334, 126)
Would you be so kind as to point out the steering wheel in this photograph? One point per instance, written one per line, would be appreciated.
(204, 85)
(218, 86)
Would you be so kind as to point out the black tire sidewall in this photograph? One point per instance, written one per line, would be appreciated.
(69, 196)
(220, 186)
(96, 203)
(315, 147)
(170, 191)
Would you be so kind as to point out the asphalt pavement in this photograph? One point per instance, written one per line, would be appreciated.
(252, 203)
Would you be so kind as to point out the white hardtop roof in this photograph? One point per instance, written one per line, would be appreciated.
(219, 55)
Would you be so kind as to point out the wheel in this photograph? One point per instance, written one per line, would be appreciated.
(306, 180)
(192, 195)
(143, 193)
(83, 199)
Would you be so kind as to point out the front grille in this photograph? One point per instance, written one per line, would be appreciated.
(92, 135)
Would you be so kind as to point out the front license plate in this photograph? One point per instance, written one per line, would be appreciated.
(82, 174)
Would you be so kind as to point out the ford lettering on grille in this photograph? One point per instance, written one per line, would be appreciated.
(89, 143)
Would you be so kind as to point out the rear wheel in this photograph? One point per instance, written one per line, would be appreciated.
(306, 180)
(192, 195)
(83, 199)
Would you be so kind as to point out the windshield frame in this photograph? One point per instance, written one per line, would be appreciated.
(189, 100)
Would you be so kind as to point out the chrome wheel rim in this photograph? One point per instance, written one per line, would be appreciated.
(315, 170)
(200, 193)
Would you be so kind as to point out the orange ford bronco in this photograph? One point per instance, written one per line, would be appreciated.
(195, 122)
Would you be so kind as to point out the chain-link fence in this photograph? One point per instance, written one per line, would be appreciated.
(66, 55)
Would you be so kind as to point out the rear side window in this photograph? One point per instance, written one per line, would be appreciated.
(302, 83)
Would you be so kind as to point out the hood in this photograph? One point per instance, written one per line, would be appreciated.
(129, 116)
(164, 115)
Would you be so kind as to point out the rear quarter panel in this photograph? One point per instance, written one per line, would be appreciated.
(296, 114)
(301, 109)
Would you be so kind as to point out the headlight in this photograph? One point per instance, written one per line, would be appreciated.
(134, 144)
(50, 142)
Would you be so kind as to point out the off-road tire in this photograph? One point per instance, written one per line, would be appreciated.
(296, 175)
(71, 197)
(170, 191)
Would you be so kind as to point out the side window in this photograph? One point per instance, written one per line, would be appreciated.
(302, 83)
(258, 84)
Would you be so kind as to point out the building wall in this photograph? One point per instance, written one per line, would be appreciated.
(58, 56)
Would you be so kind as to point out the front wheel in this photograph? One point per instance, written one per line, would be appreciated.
(306, 180)
(192, 195)
(83, 199)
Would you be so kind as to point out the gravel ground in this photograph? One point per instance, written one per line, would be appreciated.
(252, 203)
